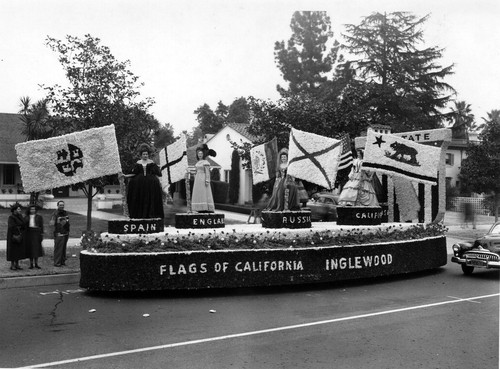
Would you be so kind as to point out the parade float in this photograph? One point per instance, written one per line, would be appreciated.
(286, 248)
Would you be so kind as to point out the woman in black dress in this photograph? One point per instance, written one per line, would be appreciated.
(15, 227)
(144, 195)
(34, 235)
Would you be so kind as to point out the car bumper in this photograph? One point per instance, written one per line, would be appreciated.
(486, 264)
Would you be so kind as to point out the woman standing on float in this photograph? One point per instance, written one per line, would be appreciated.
(202, 200)
(358, 191)
(282, 183)
(144, 194)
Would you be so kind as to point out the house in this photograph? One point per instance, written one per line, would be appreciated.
(10, 134)
(456, 153)
(221, 143)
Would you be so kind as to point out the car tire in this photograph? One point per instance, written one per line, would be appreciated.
(467, 269)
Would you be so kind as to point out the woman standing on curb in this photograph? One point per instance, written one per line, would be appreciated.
(15, 237)
(34, 235)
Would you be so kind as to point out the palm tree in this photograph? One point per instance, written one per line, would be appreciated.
(463, 120)
(35, 118)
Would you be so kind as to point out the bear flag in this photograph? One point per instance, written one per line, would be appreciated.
(396, 156)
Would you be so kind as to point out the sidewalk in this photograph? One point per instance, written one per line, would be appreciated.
(452, 220)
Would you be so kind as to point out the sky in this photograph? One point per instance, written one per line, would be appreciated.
(192, 52)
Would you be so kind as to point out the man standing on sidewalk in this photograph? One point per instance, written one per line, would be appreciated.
(60, 221)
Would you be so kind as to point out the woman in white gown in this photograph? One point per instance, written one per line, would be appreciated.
(358, 191)
(202, 200)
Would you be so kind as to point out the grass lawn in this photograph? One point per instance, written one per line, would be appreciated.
(78, 223)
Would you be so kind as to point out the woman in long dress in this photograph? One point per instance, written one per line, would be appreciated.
(202, 200)
(15, 227)
(282, 183)
(358, 191)
(144, 194)
(34, 236)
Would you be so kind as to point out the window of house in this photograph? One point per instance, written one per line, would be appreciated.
(227, 174)
(8, 174)
(449, 159)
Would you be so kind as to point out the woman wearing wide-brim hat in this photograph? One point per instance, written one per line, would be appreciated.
(202, 200)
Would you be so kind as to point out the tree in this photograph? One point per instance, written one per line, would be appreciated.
(305, 60)
(462, 119)
(102, 90)
(164, 136)
(234, 178)
(239, 111)
(208, 121)
(404, 80)
(480, 171)
(35, 117)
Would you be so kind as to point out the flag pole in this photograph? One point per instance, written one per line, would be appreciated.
(188, 192)
(123, 190)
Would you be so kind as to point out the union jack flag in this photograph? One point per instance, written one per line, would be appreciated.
(346, 159)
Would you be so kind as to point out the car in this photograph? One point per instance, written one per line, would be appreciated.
(323, 207)
(482, 253)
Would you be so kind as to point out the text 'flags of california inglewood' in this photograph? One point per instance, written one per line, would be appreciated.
(396, 156)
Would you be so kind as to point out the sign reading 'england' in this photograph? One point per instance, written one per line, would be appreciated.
(68, 159)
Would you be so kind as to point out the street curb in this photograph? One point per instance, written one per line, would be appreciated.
(42, 280)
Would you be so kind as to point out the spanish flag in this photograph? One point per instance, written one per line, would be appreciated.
(68, 159)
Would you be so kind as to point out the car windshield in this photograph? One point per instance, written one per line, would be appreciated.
(495, 229)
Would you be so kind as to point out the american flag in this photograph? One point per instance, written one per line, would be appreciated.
(345, 160)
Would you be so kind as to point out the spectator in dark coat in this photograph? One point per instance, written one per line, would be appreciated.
(15, 237)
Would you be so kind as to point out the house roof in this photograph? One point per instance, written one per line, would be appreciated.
(242, 129)
(10, 135)
(191, 156)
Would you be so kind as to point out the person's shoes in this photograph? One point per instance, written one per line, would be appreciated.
(18, 267)
(12, 268)
(57, 265)
(36, 266)
(31, 266)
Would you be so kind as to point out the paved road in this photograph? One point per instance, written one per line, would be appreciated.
(437, 319)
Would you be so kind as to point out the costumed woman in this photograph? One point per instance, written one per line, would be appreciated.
(15, 236)
(34, 236)
(359, 190)
(144, 194)
(202, 200)
(282, 183)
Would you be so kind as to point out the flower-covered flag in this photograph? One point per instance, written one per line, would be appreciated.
(264, 160)
(68, 159)
(393, 155)
(173, 162)
(314, 158)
